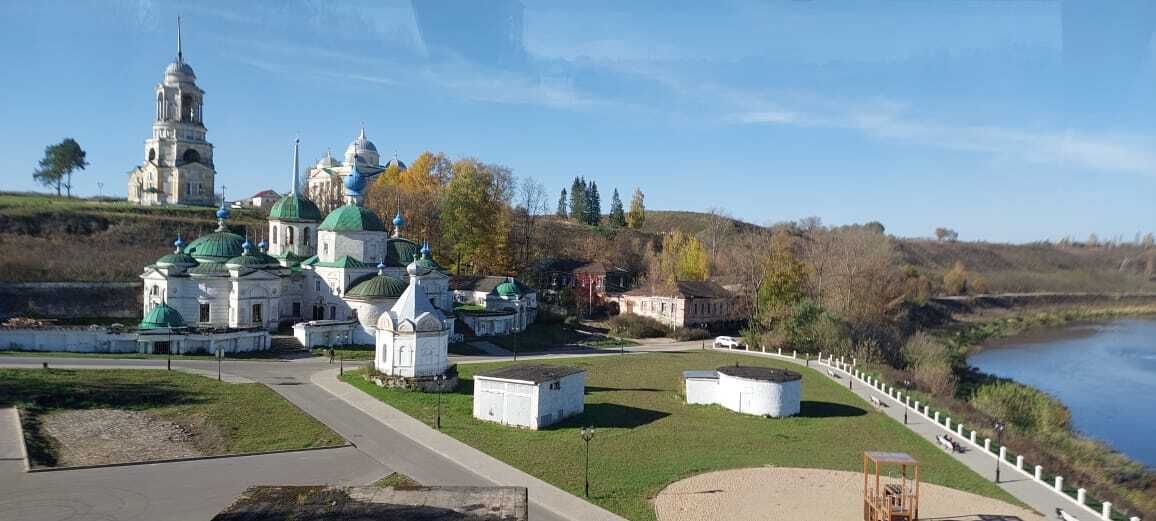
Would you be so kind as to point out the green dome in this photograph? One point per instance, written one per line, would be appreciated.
(176, 259)
(216, 247)
(294, 208)
(269, 260)
(352, 218)
(400, 252)
(210, 269)
(377, 286)
(429, 264)
(247, 261)
(162, 315)
(507, 289)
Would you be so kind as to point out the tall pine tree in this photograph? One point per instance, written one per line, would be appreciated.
(593, 205)
(578, 199)
(617, 213)
(562, 205)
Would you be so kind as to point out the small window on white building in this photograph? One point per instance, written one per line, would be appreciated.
(256, 313)
(305, 237)
(204, 313)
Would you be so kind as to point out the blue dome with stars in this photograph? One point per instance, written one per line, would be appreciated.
(354, 182)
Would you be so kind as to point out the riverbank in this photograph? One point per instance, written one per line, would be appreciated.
(1040, 426)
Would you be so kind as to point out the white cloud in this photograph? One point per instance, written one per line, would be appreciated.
(1065, 147)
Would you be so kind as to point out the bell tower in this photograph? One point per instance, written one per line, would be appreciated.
(178, 165)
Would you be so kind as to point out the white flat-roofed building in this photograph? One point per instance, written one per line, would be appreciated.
(759, 391)
(529, 395)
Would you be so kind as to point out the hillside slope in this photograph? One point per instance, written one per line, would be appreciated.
(48, 239)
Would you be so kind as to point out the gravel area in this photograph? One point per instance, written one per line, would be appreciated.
(102, 436)
(806, 494)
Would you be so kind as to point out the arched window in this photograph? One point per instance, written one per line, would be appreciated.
(305, 237)
(274, 235)
(155, 291)
(188, 110)
(152, 154)
(160, 107)
(289, 235)
(191, 156)
(325, 248)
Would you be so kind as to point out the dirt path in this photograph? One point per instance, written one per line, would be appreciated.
(102, 436)
(810, 494)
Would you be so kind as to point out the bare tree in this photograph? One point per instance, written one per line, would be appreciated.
(719, 226)
(531, 203)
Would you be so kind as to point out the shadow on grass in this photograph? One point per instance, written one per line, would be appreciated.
(610, 415)
(64, 389)
(812, 409)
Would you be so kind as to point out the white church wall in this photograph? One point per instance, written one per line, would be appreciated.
(69, 340)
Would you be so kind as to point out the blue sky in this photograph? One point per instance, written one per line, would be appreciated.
(1008, 121)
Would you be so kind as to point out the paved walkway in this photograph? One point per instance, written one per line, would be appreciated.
(1037, 495)
(11, 442)
(559, 502)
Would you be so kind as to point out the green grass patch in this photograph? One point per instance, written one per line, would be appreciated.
(242, 417)
(396, 479)
(350, 352)
(647, 436)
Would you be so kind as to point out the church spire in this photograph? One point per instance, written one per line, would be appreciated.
(180, 55)
(296, 159)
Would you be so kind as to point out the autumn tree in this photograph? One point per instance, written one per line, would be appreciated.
(637, 215)
(617, 212)
(475, 215)
(59, 161)
(683, 257)
(784, 281)
(562, 203)
(418, 190)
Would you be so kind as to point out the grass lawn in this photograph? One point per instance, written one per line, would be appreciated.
(552, 337)
(242, 417)
(350, 352)
(648, 437)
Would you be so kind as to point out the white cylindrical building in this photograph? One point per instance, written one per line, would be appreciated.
(761, 391)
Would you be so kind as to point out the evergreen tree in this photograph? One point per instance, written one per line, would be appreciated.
(562, 205)
(617, 213)
(593, 205)
(637, 216)
(578, 199)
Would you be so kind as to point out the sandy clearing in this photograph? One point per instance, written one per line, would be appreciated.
(772, 493)
(103, 436)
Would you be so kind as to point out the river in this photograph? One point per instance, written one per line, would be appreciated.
(1105, 373)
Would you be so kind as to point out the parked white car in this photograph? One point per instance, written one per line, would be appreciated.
(729, 342)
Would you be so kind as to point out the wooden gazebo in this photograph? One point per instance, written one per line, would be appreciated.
(894, 495)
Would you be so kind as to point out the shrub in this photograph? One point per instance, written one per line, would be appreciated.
(932, 364)
(691, 333)
(1023, 407)
(635, 326)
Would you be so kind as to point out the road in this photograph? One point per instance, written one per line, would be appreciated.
(196, 490)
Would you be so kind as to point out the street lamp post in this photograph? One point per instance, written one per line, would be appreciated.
(220, 357)
(907, 389)
(587, 434)
(998, 441)
(439, 380)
